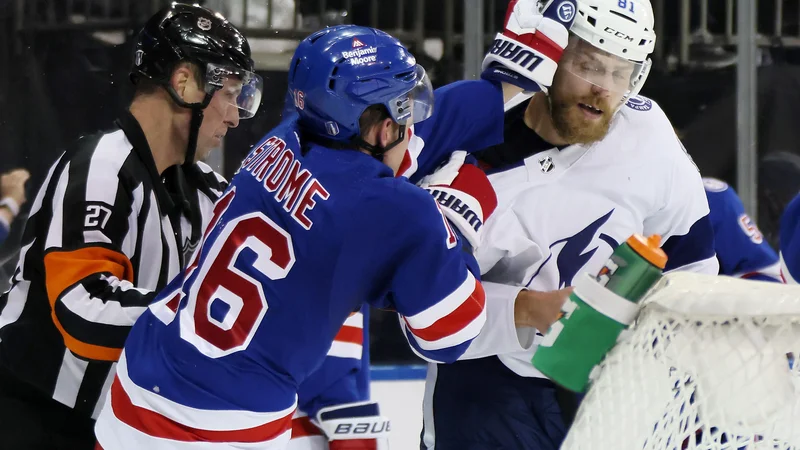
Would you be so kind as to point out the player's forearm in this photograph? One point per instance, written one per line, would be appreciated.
(539, 309)
(510, 309)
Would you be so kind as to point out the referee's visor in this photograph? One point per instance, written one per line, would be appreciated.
(240, 88)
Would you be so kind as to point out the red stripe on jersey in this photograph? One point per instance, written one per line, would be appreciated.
(456, 320)
(353, 335)
(302, 427)
(405, 164)
(174, 302)
(540, 42)
(156, 425)
(407, 158)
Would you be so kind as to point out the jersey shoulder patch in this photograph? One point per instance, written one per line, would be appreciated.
(645, 117)
(714, 185)
(639, 103)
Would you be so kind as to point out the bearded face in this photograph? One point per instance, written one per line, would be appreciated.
(588, 88)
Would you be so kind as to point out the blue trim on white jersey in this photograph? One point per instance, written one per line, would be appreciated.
(695, 246)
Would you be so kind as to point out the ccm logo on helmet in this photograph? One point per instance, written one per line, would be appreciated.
(516, 53)
(618, 34)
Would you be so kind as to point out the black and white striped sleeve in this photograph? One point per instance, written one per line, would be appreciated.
(91, 239)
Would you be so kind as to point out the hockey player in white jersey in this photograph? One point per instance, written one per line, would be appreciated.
(581, 170)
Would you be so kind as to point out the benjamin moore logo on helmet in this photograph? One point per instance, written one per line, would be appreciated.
(566, 11)
(204, 23)
(360, 55)
(639, 103)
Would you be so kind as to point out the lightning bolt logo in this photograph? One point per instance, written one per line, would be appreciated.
(575, 253)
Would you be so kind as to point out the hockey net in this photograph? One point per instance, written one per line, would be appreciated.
(709, 364)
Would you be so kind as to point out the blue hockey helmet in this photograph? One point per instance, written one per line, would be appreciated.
(338, 72)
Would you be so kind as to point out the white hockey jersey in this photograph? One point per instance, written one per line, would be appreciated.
(563, 211)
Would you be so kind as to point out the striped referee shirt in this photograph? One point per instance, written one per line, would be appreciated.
(106, 232)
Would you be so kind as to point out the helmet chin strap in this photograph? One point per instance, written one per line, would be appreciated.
(376, 150)
(194, 131)
(197, 120)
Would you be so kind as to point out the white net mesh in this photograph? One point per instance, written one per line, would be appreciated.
(709, 364)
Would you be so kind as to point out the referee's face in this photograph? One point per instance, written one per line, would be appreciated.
(220, 115)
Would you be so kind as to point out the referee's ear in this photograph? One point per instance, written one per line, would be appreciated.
(180, 81)
(186, 82)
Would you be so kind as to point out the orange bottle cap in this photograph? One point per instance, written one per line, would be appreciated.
(649, 248)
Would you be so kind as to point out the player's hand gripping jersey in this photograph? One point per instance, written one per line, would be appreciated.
(298, 242)
(741, 249)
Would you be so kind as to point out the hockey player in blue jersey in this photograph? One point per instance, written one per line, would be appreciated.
(314, 225)
(741, 249)
(790, 242)
(340, 381)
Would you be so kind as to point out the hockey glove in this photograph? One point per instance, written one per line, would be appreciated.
(527, 52)
(465, 195)
(354, 426)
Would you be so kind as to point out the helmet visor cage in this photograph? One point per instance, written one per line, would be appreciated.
(602, 69)
(415, 105)
(240, 88)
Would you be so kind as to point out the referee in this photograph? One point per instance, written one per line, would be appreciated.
(114, 222)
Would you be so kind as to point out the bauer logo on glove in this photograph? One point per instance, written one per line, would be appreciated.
(360, 420)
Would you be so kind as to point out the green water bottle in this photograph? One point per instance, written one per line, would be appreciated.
(597, 311)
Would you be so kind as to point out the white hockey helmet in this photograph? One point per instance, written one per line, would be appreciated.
(622, 28)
